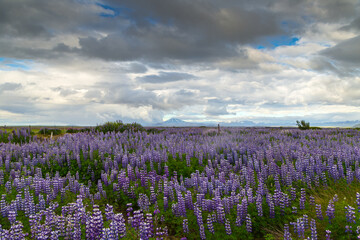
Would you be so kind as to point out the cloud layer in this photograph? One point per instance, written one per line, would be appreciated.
(84, 62)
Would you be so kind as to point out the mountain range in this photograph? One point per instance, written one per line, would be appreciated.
(176, 122)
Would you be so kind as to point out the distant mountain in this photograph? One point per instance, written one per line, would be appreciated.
(175, 122)
(337, 124)
(240, 124)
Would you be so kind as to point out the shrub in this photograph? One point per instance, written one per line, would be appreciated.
(119, 126)
(303, 125)
(73, 130)
(48, 131)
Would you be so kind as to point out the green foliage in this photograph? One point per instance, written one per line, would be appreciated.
(269, 237)
(19, 136)
(48, 131)
(119, 126)
(77, 130)
(73, 130)
(302, 125)
(154, 130)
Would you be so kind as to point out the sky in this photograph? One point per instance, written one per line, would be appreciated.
(84, 62)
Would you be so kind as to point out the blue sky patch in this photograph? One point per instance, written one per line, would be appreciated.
(277, 41)
(9, 64)
(115, 11)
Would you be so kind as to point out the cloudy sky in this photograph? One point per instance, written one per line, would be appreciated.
(83, 62)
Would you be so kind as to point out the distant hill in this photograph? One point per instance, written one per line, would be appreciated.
(337, 124)
(176, 122)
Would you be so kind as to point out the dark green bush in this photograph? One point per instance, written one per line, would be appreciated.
(119, 126)
(303, 125)
(73, 130)
(154, 130)
(77, 130)
(48, 131)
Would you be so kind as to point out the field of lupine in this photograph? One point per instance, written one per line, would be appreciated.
(181, 183)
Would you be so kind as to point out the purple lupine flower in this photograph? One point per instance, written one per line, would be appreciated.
(185, 226)
(328, 235)
(312, 200)
(287, 234)
(293, 193)
(227, 227)
(302, 198)
(175, 209)
(318, 212)
(348, 229)
(143, 202)
(282, 206)
(272, 209)
(306, 221)
(54, 235)
(335, 198)
(12, 216)
(188, 200)
(210, 225)
(150, 224)
(300, 227)
(95, 224)
(3, 207)
(60, 226)
(16, 231)
(129, 209)
(330, 212)
(109, 212)
(143, 230)
(157, 210)
(259, 205)
(181, 204)
(294, 210)
(117, 226)
(153, 197)
(313, 229)
(248, 223)
(350, 214)
(42, 203)
(220, 213)
(202, 232)
(198, 214)
(358, 201)
(137, 218)
(166, 204)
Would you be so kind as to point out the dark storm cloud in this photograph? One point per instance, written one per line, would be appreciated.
(10, 50)
(152, 45)
(164, 77)
(217, 20)
(155, 30)
(47, 18)
(347, 52)
(185, 30)
(333, 10)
